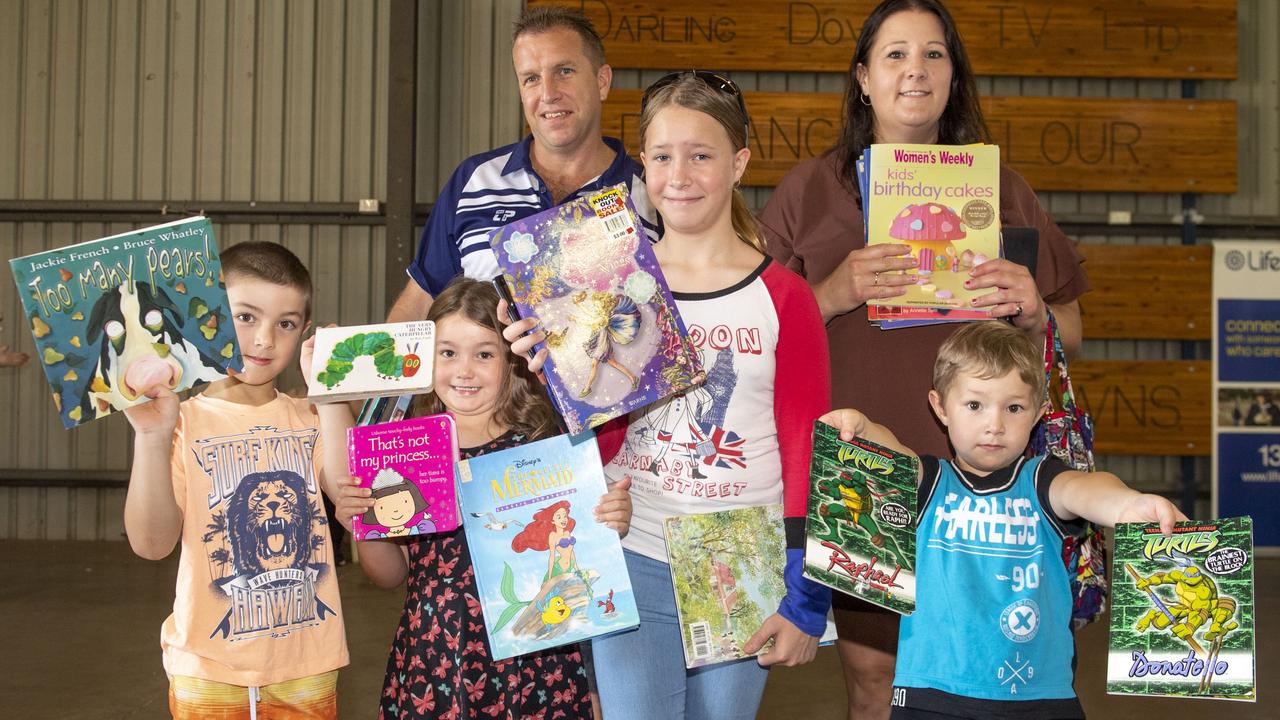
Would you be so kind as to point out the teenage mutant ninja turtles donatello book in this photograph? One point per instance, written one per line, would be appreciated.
(860, 533)
(546, 572)
(1182, 619)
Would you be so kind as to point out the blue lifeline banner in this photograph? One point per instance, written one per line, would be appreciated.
(1246, 364)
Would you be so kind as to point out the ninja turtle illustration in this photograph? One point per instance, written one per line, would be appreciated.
(1197, 602)
(855, 504)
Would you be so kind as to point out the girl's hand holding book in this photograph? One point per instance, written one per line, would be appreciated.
(791, 645)
(614, 508)
(352, 500)
(523, 335)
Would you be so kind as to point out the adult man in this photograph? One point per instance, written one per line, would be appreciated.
(563, 79)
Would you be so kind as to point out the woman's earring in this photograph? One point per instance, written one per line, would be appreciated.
(865, 100)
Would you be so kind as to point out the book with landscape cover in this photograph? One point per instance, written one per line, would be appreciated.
(547, 573)
(409, 465)
(726, 568)
(860, 531)
(1182, 611)
(615, 340)
(116, 316)
(369, 361)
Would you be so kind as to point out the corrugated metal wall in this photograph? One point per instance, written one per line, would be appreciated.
(259, 100)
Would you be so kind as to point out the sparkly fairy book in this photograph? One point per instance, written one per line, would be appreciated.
(115, 316)
(586, 270)
(369, 361)
(1182, 611)
(860, 532)
(409, 466)
(943, 202)
(547, 573)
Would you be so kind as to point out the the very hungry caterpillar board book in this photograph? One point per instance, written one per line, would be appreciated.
(116, 316)
(548, 574)
(1182, 611)
(615, 339)
(365, 361)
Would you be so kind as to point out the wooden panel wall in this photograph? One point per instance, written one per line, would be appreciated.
(1103, 38)
(1076, 144)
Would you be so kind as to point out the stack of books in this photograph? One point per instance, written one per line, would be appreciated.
(943, 202)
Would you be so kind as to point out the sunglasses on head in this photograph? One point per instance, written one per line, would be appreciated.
(715, 81)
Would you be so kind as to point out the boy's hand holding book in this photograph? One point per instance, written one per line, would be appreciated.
(157, 419)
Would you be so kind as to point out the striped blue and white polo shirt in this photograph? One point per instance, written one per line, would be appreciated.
(492, 189)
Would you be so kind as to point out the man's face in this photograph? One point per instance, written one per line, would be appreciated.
(559, 89)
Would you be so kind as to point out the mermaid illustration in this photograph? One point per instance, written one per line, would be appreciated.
(613, 319)
(552, 531)
(566, 588)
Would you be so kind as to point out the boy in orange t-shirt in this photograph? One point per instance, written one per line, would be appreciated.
(235, 473)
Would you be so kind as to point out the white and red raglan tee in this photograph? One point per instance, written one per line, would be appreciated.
(743, 438)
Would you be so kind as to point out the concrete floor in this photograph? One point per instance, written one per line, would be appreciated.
(82, 625)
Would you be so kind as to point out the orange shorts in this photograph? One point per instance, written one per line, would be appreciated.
(308, 698)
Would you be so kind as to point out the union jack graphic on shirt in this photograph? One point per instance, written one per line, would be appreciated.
(717, 446)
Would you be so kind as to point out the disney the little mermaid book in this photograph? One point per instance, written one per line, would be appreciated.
(368, 361)
(586, 270)
(548, 574)
(409, 466)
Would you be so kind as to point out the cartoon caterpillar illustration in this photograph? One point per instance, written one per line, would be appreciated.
(380, 345)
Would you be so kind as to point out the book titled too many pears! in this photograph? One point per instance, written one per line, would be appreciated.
(116, 316)
(548, 574)
(1182, 611)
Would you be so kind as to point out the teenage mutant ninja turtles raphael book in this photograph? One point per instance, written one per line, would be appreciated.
(860, 534)
(1182, 619)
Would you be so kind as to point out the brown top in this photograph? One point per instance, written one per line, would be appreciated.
(813, 221)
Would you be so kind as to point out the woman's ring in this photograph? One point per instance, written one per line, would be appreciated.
(1019, 313)
(876, 281)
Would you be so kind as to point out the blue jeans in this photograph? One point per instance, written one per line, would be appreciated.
(641, 673)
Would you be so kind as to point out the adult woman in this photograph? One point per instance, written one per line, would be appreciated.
(909, 82)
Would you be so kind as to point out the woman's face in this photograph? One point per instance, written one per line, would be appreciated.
(690, 168)
(560, 518)
(907, 77)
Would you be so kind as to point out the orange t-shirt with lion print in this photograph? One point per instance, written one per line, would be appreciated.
(257, 598)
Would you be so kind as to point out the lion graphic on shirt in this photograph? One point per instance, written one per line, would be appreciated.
(270, 519)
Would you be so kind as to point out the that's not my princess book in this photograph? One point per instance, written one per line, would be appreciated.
(369, 361)
(548, 574)
(115, 316)
(860, 531)
(1182, 611)
(941, 201)
(615, 340)
(409, 466)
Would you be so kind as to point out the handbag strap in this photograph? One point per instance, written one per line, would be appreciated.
(1055, 356)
